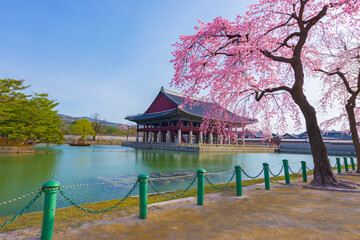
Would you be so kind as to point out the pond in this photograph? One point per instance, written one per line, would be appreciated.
(23, 173)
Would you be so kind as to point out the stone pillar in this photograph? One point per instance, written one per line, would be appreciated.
(150, 137)
(159, 137)
(168, 136)
(221, 139)
(191, 137)
(137, 136)
(210, 135)
(229, 139)
(179, 136)
(243, 134)
(200, 137)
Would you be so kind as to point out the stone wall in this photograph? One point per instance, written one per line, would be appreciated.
(17, 149)
(171, 147)
(201, 148)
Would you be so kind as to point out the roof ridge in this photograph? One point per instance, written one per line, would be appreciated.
(182, 95)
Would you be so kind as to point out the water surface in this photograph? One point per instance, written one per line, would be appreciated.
(24, 173)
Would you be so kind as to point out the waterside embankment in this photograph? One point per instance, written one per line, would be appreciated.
(187, 147)
(11, 149)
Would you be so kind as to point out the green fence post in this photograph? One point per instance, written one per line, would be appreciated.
(200, 186)
(338, 164)
(238, 180)
(304, 174)
(346, 164)
(266, 176)
(352, 163)
(143, 181)
(286, 170)
(50, 189)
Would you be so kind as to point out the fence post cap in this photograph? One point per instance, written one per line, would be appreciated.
(345, 158)
(238, 167)
(337, 158)
(200, 170)
(303, 162)
(51, 184)
(265, 164)
(143, 176)
(285, 161)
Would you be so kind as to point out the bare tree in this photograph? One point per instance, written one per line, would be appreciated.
(97, 124)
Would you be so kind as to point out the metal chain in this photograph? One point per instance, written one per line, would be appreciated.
(172, 196)
(123, 181)
(293, 171)
(165, 178)
(227, 184)
(23, 210)
(102, 183)
(275, 175)
(334, 165)
(251, 176)
(219, 173)
(309, 168)
(101, 210)
(15, 199)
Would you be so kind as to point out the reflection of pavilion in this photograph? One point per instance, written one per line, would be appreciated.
(176, 160)
(170, 120)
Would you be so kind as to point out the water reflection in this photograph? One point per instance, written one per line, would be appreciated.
(170, 160)
(21, 174)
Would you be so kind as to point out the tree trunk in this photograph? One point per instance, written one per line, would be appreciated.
(94, 137)
(323, 175)
(350, 106)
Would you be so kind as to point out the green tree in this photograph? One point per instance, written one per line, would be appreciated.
(30, 118)
(111, 130)
(82, 127)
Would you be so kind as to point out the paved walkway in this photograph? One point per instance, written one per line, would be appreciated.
(285, 212)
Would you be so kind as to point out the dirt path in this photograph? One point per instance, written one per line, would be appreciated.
(287, 212)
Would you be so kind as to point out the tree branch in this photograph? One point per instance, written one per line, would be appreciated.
(259, 96)
(341, 75)
(276, 58)
(311, 22)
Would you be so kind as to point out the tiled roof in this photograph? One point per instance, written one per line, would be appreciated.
(150, 115)
(198, 108)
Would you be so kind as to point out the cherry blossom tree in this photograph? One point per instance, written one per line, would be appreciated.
(258, 64)
(341, 77)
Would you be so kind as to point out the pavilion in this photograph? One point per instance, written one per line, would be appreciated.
(170, 119)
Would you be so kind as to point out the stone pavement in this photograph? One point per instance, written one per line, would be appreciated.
(285, 212)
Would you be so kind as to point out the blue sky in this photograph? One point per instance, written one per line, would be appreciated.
(110, 57)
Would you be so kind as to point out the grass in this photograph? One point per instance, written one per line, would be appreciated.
(70, 217)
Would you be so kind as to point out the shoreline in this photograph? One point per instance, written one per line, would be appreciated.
(70, 221)
(65, 216)
(17, 149)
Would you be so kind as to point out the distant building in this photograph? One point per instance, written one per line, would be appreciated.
(170, 120)
(326, 135)
(289, 136)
